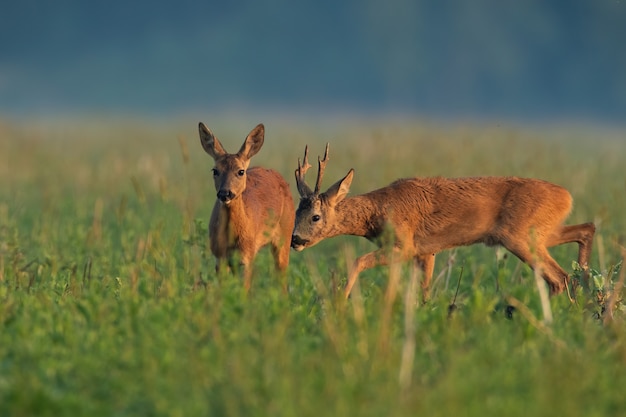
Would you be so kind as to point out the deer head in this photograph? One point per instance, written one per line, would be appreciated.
(229, 172)
(315, 216)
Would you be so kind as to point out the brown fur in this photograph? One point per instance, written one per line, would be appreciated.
(428, 215)
(254, 207)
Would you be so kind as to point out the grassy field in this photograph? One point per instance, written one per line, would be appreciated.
(109, 304)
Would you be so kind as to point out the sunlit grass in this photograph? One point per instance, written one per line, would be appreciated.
(109, 304)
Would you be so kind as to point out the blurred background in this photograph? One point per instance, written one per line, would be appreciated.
(447, 59)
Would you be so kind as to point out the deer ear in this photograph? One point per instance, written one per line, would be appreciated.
(209, 142)
(340, 189)
(253, 142)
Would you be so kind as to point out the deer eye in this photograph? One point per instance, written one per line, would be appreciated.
(241, 172)
(215, 172)
(316, 218)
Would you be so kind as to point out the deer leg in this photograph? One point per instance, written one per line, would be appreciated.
(427, 264)
(221, 265)
(281, 261)
(551, 271)
(281, 257)
(581, 234)
(555, 276)
(245, 268)
(367, 261)
(247, 277)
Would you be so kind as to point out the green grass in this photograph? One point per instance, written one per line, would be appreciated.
(109, 304)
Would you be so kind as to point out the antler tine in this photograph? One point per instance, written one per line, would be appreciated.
(303, 167)
(321, 167)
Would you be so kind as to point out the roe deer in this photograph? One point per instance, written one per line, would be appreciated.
(254, 206)
(428, 215)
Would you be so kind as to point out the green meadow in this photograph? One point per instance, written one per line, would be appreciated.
(110, 305)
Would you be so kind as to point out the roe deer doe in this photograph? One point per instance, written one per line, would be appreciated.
(254, 206)
(428, 215)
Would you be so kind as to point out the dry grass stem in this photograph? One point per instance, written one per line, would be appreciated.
(544, 296)
(405, 376)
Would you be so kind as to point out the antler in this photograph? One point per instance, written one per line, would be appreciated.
(303, 167)
(320, 172)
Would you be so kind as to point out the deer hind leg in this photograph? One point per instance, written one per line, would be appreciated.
(539, 257)
(427, 264)
(579, 233)
(280, 252)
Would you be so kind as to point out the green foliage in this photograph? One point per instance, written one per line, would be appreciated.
(109, 304)
(606, 288)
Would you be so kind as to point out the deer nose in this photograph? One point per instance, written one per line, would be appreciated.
(225, 195)
(297, 241)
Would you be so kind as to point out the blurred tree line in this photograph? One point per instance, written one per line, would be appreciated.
(512, 58)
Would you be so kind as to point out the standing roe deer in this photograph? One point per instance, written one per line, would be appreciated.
(428, 215)
(254, 206)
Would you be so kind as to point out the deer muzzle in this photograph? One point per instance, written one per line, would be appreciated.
(225, 196)
(298, 243)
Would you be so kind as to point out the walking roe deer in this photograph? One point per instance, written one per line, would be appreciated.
(254, 206)
(428, 215)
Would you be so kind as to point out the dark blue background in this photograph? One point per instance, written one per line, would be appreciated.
(519, 59)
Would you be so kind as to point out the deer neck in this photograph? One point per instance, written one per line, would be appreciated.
(232, 218)
(357, 216)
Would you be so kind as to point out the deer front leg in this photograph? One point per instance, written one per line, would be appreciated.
(245, 264)
(222, 265)
(427, 264)
(370, 260)
(247, 277)
(237, 264)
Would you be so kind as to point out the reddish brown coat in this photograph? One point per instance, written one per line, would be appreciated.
(254, 207)
(428, 215)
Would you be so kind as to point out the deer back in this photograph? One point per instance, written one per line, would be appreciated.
(434, 213)
(267, 200)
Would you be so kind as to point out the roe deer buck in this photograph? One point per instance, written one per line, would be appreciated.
(254, 206)
(428, 215)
